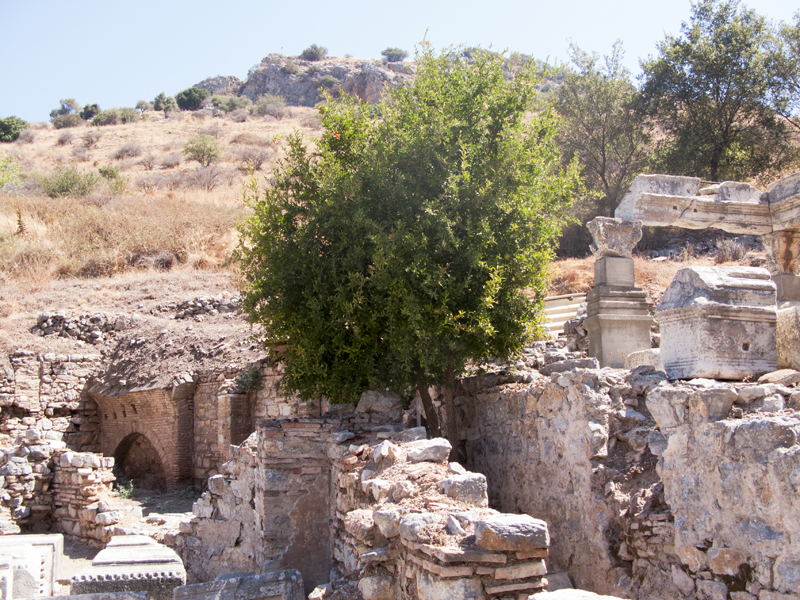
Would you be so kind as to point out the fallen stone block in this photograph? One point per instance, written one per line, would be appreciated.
(512, 533)
(469, 487)
(48, 549)
(436, 450)
(569, 365)
(276, 585)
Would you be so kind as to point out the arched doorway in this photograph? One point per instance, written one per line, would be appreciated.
(137, 460)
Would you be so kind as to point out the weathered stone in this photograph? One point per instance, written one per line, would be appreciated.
(649, 358)
(782, 376)
(614, 237)
(711, 590)
(719, 323)
(521, 570)
(277, 585)
(569, 365)
(360, 524)
(46, 549)
(430, 586)
(788, 339)
(411, 525)
(436, 450)
(470, 488)
(384, 450)
(726, 561)
(378, 402)
(518, 533)
(570, 594)
(388, 519)
(376, 588)
(618, 323)
(410, 435)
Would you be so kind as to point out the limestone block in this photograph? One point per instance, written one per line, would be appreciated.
(718, 323)
(388, 520)
(570, 364)
(378, 402)
(649, 358)
(377, 587)
(618, 323)
(274, 585)
(469, 487)
(411, 525)
(436, 450)
(48, 547)
(430, 586)
(788, 338)
(360, 524)
(661, 185)
(517, 533)
(410, 435)
(614, 270)
(784, 201)
(614, 238)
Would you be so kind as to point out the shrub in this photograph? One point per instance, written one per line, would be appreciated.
(90, 138)
(81, 154)
(250, 380)
(204, 149)
(89, 111)
(729, 251)
(67, 182)
(249, 138)
(230, 103)
(252, 157)
(68, 106)
(274, 106)
(290, 68)
(64, 138)
(240, 115)
(214, 131)
(127, 115)
(165, 103)
(143, 105)
(11, 128)
(314, 53)
(128, 150)
(327, 81)
(109, 172)
(9, 170)
(114, 116)
(148, 162)
(394, 54)
(192, 98)
(170, 161)
(64, 121)
(28, 136)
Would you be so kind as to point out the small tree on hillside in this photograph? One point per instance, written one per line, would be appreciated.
(143, 105)
(192, 98)
(399, 249)
(89, 111)
(314, 53)
(11, 127)
(204, 149)
(165, 103)
(68, 106)
(394, 54)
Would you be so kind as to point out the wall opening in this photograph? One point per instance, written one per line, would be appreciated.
(137, 460)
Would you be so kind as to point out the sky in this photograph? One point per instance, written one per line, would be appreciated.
(114, 53)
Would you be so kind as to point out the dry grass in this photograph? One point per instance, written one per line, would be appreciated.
(190, 224)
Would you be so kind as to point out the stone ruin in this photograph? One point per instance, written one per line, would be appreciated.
(648, 483)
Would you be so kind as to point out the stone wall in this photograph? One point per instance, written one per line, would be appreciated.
(650, 489)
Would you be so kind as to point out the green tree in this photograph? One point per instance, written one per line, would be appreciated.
(394, 54)
(204, 149)
(143, 105)
(603, 130)
(399, 249)
(711, 90)
(192, 98)
(11, 127)
(89, 111)
(165, 103)
(230, 103)
(787, 100)
(314, 53)
(68, 106)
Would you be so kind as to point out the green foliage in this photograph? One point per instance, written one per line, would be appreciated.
(65, 121)
(11, 127)
(115, 116)
(398, 250)
(711, 90)
(143, 105)
(204, 149)
(787, 100)
(604, 132)
(67, 182)
(9, 170)
(250, 380)
(327, 81)
(394, 54)
(165, 103)
(192, 98)
(89, 111)
(230, 103)
(68, 107)
(108, 172)
(314, 53)
(274, 106)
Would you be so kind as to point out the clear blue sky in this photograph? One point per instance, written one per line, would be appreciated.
(115, 53)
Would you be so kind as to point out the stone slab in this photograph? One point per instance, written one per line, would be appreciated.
(718, 323)
(614, 270)
(49, 546)
(108, 596)
(276, 585)
(132, 563)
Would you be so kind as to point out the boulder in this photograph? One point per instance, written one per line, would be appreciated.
(436, 450)
(515, 533)
(378, 402)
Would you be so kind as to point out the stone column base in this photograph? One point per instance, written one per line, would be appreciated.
(618, 323)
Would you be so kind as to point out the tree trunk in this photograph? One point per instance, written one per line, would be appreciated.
(434, 429)
(450, 412)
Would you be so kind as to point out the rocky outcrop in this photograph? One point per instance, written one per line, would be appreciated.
(300, 82)
(221, 84)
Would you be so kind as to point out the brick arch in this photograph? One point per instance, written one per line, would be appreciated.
(163, 416)
(127, 432)
(138, 458)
